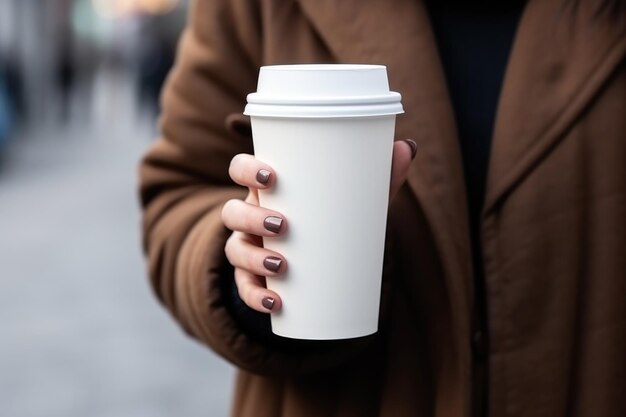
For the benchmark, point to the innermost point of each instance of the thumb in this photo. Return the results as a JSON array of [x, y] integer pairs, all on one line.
[[403, 153]]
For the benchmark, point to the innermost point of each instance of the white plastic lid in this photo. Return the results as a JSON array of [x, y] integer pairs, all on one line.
[[323, 90]]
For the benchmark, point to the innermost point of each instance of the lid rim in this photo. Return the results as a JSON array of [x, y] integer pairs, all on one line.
[[333, 111], [260, 98]]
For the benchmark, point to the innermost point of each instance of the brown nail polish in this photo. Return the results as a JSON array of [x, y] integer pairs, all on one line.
[[413, 146], [273, 223], [272, 263], [263, 176], [268, 302]]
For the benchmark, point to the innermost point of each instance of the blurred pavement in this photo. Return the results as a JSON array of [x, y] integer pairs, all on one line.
[[81, 334]]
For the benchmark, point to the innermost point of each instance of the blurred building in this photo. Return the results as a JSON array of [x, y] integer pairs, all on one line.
[[52, 53], [82, 333]]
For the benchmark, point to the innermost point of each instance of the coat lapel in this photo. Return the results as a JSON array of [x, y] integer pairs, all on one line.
[[559, 61], [398, 35]]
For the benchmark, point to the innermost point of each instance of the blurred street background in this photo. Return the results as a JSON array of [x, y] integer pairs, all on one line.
[[80, 332]]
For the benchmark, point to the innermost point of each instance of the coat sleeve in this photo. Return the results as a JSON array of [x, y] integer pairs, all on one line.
[[184, 183]]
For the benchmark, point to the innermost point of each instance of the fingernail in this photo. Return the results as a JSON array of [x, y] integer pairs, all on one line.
[[268, 302], [272, 263], [263, 176], [413, 146], [273, 223]]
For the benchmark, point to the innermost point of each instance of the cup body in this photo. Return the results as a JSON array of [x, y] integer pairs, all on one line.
[[327, 131], [333, 187]]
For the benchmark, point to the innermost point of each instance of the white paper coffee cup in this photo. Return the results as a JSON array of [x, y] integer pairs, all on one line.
[[327, 131]]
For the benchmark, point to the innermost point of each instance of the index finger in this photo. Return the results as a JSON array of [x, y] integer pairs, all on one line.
[[248, 171]]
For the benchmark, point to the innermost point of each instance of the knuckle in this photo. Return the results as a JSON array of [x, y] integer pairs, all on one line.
[[239, 282], [228, 206], [228, 249], [237, 159], [238, 166], [244, 293], [227, 211], [232, 166], [241, 292], [224, 213]]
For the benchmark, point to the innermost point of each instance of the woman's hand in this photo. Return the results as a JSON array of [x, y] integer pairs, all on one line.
[[249, 223]]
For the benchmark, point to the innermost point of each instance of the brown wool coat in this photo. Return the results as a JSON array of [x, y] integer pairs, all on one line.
[[553, 227]]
